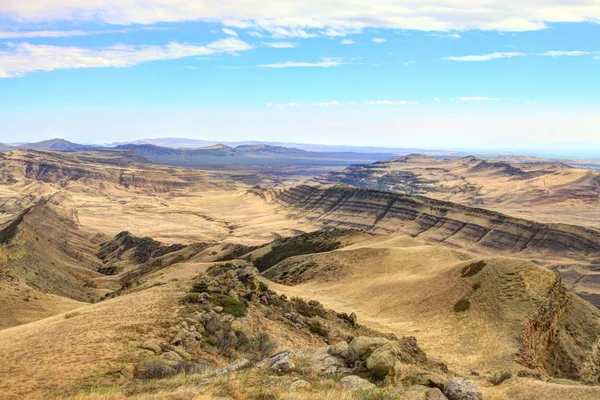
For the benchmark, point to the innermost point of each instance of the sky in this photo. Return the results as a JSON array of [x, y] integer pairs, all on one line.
[[451, 74]]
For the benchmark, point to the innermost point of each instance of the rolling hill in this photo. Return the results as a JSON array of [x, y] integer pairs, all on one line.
[[545, 191]]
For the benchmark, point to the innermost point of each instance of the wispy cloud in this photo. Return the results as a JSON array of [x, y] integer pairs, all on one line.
[[283, 106], [436, 99], [280, 45], [478, 98], [451, 35], [323, 63], [284, 33], [331, 103], [425, 15], [378, 40], [531, 103], [228, 31], [25, 58], [348, 41], [56, 34], [390, 103], [485, 57], [572, 53]]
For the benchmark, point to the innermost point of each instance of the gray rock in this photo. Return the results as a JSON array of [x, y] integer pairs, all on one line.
[[171, 356], [382, 362], [462, 389], [339, 349], [234, 366], [354, 383], [300, 385], [282, 363], [361, 347]]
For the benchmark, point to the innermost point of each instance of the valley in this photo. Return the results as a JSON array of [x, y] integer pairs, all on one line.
[[101, 248]]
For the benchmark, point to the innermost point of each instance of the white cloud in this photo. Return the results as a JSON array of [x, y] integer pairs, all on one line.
[[283, 33], [331, 103], [390, 103], [25, 58], [56, 34], [485, 57], [575, 53], [436, 99], [230, 32], [280, 45], [528, 102], [324, 63], [256, 34], [379, 40], [451, 35], [283, 106], [426, 15], [348, 41], [478, 98], [341, 32]]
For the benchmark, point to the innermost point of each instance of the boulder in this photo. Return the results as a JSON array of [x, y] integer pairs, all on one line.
[[339, 349], [361, 347], [355, 383], [300, 385], [234, 366], [383, 360], [281, 363], [218, 309], [152, 345], [462, 389]]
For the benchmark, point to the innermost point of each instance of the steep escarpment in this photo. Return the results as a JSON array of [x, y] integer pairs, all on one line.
[[437, 221]]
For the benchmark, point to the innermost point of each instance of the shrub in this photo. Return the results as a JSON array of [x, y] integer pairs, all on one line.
[[472, 269], [462, 305], [262, 346], [199, 287], [155, 371], [318, 328], [230, 305], [262, 286], [310, 309], [476, 285], [72, 314], [499, 377], [192, 298]]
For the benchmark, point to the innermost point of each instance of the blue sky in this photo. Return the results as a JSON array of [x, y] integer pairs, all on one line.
[[519, 76]]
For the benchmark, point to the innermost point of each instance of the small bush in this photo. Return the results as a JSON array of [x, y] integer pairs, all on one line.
[[155, 371], [472, 269], [191, 298], [476, 286], [462, 305], [262, 286], [310, 309], [499, 377], [199, 287], [72, 314], [262, 346], [230, 305], [318, 328]]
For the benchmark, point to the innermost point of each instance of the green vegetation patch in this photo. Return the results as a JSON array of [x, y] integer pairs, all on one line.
[[230, 305]]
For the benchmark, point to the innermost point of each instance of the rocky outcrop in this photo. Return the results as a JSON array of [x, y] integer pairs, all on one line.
[[462, 389], [435, 220]]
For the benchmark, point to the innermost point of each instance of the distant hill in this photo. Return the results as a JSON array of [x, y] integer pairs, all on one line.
[[250, 154], [6, 147], [56, 145]]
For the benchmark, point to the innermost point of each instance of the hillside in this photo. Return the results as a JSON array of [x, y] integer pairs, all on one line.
[[573, 250], [56, 145], [542, 190]]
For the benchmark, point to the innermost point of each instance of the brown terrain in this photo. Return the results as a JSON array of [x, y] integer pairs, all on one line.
[[540, 190], [121, 278]]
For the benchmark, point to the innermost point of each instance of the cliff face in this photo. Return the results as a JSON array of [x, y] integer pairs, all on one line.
[[438, 221]]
